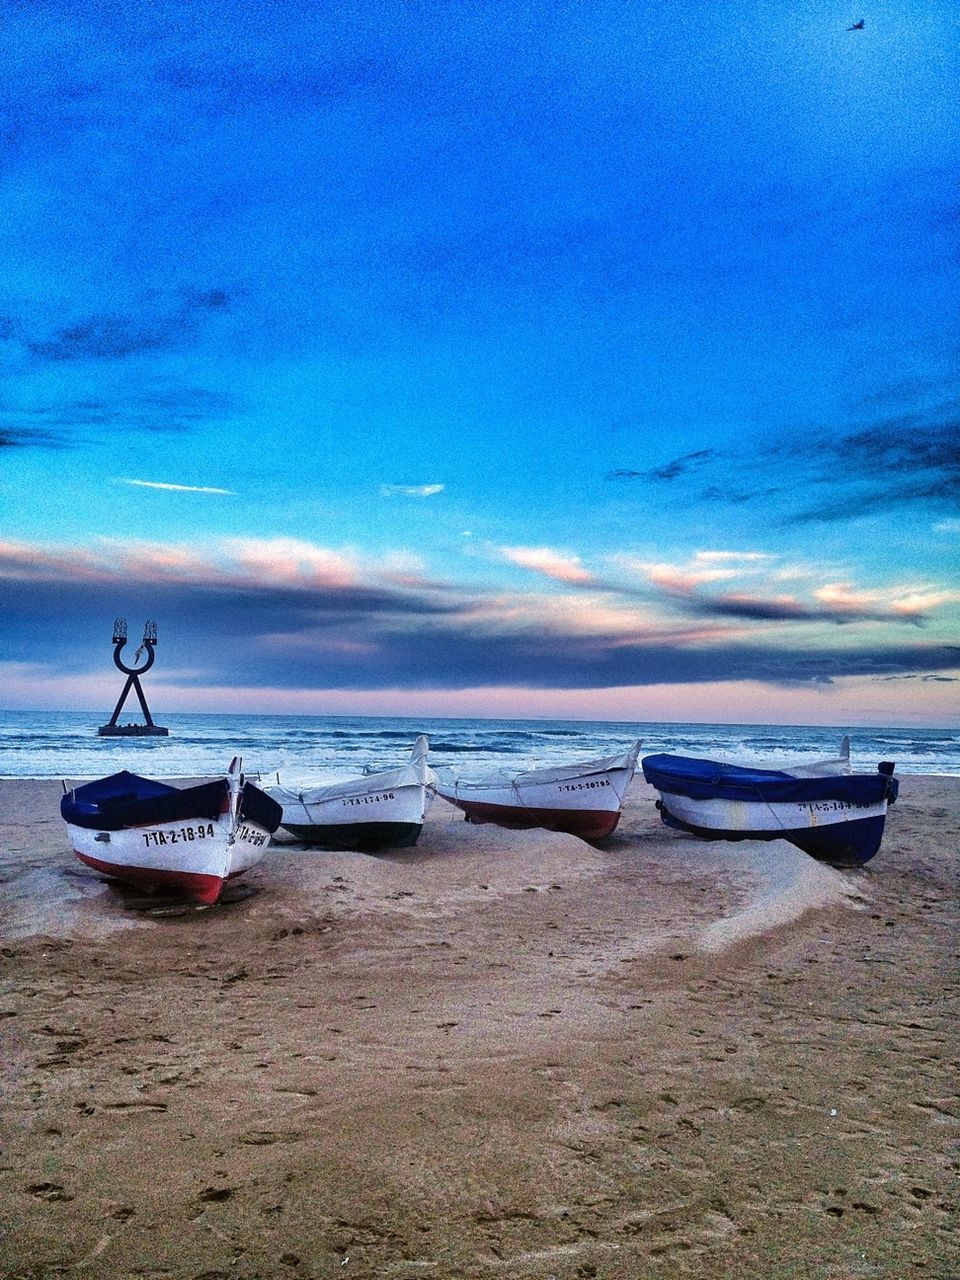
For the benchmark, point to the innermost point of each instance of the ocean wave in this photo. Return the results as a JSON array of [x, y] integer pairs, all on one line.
[[63, 744]]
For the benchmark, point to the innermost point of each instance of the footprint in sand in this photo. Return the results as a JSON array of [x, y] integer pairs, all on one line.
[[48, 1191], [215, 1195]]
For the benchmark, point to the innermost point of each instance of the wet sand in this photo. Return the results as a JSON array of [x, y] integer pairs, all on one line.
[[495, 1055]]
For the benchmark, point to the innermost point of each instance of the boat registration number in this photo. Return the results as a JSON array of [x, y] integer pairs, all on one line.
[[831, 806], [250, 835], [373, 799], [203, 831], [584, 786]]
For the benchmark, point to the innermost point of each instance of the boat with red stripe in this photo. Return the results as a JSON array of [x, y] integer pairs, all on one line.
[[584, 799], [185, 840]]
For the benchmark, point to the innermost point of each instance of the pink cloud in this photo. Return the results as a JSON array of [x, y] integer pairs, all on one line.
[[920, 602], [552, 564], [674, 578], [902, 602], [291, 559], [19, 560]]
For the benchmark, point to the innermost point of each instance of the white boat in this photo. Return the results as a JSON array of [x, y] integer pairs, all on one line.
[[189, 840], [376, 810], [583, 799], [824, 808]]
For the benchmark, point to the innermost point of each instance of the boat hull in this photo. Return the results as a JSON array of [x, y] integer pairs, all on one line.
[[192, 856], [389, 818], [588, 807], [588, 824], [831, 813], [835, 831], [363, 837]]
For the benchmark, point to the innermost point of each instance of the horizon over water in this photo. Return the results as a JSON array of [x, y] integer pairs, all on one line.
[[64, 744]]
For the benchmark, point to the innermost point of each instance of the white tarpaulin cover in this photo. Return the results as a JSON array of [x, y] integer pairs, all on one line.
[[415, 773], [559, 773]]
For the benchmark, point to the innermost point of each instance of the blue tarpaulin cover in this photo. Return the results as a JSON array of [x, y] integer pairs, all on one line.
[[714, 780], [127, 800]]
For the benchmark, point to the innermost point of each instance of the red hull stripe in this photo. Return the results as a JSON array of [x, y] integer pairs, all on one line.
[[588, 824], [200, 888]]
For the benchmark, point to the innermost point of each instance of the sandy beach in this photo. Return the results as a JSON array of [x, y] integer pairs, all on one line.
[[498, 1054]]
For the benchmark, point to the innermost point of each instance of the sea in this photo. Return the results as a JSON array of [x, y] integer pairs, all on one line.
[[64, 744]]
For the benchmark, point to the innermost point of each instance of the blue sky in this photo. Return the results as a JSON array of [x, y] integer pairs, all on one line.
[[466, 358]]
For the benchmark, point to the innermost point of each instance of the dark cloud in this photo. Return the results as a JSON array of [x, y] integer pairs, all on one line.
[[104, 337], [444, 656], [66, 423], [898, 462], [39, 427], [207, 299], [773, 610], [670, 470], [379, 637], [906, 391], [901, 460], [110, 336], [680, 466], [13, 437], [927, 679], [183, 406], [906, 443], [736, 496], [854, 503]]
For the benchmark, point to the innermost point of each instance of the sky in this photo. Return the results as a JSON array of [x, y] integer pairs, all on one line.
[[500, 358]]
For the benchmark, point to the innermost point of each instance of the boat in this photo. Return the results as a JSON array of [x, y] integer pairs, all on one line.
[[582, 799], [189, 840], [823, 808], [379, 809]]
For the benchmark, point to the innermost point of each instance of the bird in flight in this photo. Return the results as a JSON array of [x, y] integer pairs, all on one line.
[[857, 26]]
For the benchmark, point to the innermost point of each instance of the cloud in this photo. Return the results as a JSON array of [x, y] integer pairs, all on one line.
[[736, 496], [104, 337], [64, 423], [550, 563], [176, 488], [670, 470], [182, 405], [288, 613], [292, 560], [836, 602], [702, 567], [410, 490], [926, 679], [910, 459], [910, 603], [907, 391], [115, 336], [14, 437], [906, 443], [737, 557], [786, 609]]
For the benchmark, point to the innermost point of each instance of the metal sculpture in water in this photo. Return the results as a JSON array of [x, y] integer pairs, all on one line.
[[148, 729]]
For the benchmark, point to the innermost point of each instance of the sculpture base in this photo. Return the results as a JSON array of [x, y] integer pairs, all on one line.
[[132, 731]]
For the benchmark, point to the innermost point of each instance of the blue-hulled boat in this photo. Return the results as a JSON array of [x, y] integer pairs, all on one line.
[[825, 809]]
